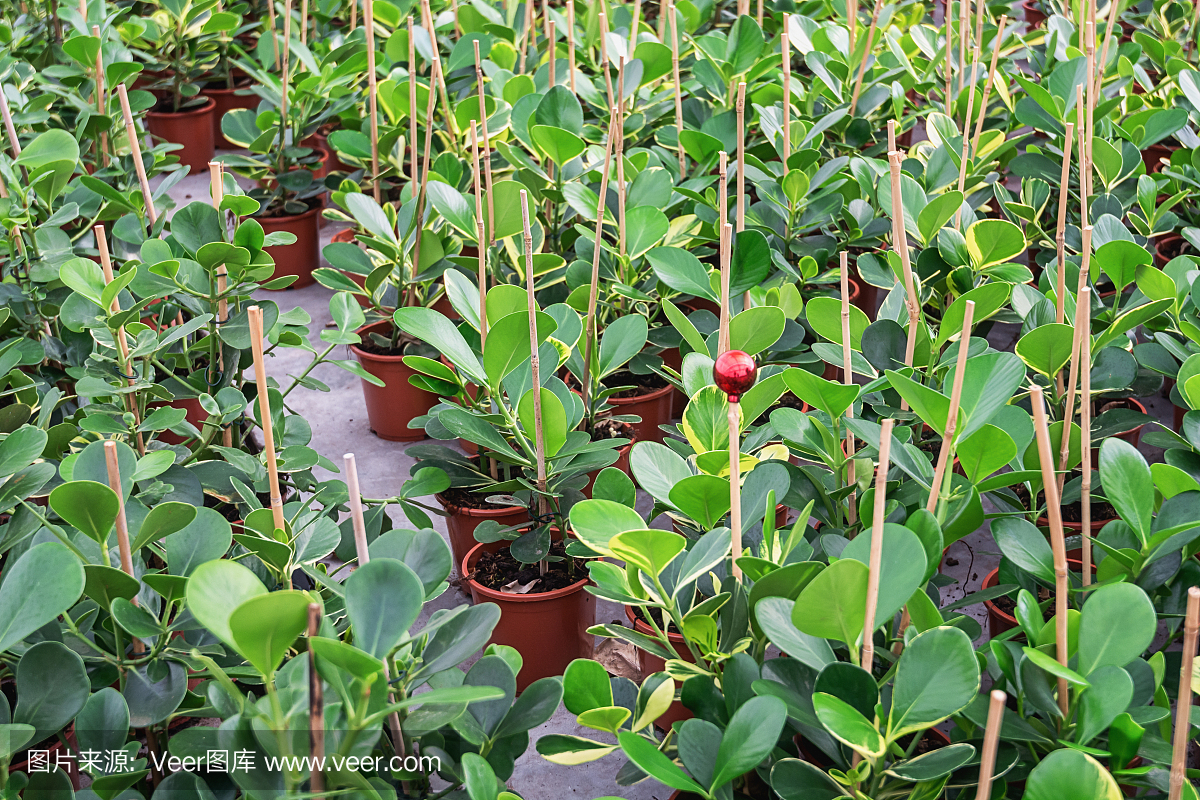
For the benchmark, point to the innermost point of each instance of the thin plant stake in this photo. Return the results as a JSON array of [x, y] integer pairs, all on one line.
[[255, 316], [316, 706], [620, 153], [550, 48], [1078, 365], [538, 440], [114, 482], [741, 157], [594, 290], [948, 21], [679, 89], [414, 167], [900, 243], [891, 135], [733, 416], [848, 378], [1114, 11], [991, 739], [633, 29], [439, 73], [1085, 168], [960, 368], [1090, 37], [964, 32], [359, 524], [526, 34], [487, 154], [862, 67], [419, 222], [373, 91], [1061, 228], [479, 235], [570, 44], [726, 258], [1085, 425], [875, 564], [604, 57], [216, 178], [122, 341], [135, 147], [852, 22], [987, 86], [722, 190], [785, 53], [1057, 542], [286, 73], [966, 152], [101, 102], [274, 30], [1183, 704], [353, 15], [304, 22]]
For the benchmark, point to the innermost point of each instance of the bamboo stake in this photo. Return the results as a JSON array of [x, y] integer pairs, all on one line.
[[457, 25], [735, 484], [604, 57], [440, 73], [11, 129], [1114, 11], [862, 67], [304, 22], [1085, 168], [255, 315], [1183, 704], [487, 154], [274, 30], [594, 290], [373, 92], [663, 6], [353, 15], [948, 21], [122, 341], [285, 75], [633, 29], [539, 443], [876, 557], [570, 43], [987, 86], [848, 378], [316, 706], [991, 738], [1091, 84], [759, 13], [363, 553], [136, 151], [741, 157], [1057, 543], [479, 237], [785, 53], [964, 31], [419, 221], [620, 151], [122, 525], [83, 12], [1085, 425], [891, 135], [101, 97], [960, 368], [852, 22], [678, 88], [726, 258], [971, 80], [522, 43], [550, 48], [1060, 231], [1077, 364], [217, 186], [722, 191], [900, 243]]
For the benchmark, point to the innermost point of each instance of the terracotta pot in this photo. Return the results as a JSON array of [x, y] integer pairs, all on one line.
[[301, 257], [346, 236], [462, 522], [390, 407], [1133, 437], [654, 409], [1034, 18], [195, 415], [1166, 248], [549, 630], [649, 664], [227, 100], [622, 463], [1154, 155], [321, 141], [1000, 621], [57, 751], [192, 128]]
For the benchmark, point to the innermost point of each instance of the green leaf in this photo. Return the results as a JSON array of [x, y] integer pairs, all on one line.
[[559, 146], [1116, 626], [554, 419], [586, 686], [383, 598], [163, 520], [431, 327], [38, 587], [216, 589], [1047, 348], [984, 452], [88, 506], [993, 241], [508, 344], [265, 626], [833, 605], [930, 405], [824, 314], [648, 550], [1023, 544], [749, 738], [832, 398], [596, 521], [848, 726], [681, 271], [1109, 694], [654, 763], [756, 329], [1128, 484], [937, 677], [937, 213], [1071, 775]]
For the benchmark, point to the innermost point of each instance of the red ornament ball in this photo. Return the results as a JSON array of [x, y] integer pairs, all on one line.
[[734, 373]]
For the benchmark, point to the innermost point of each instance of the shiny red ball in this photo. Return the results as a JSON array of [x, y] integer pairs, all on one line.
[[734, 373]]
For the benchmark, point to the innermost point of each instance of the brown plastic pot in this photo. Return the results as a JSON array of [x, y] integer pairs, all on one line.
[[622, 463], [549, 630], [649, 664], [462, 522], [227, 100], [1154, 155], [391, 406], [654, 408], [1000, 621], [1166, 248], [57, 751], [301, 257], [195, 415], [192, 128], [1034, 17]]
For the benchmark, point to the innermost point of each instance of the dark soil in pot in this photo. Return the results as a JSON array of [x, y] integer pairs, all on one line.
[[499, 571], [466, 510]]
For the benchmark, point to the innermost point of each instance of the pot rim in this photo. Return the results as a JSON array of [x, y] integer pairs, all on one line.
[[486, 513], [491, 594], [361, 354], [209, 105], [642, 627], [641, 398], [287, 217]]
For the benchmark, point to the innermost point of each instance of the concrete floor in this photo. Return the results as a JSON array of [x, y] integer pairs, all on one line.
[[339, 423]]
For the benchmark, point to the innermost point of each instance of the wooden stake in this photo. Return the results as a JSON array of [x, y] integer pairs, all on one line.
[[900, 243], [722, 190], [735, 485], [948, 21], [862, 67], [101, 101], [526, 31], [571, 43], [304, 22], [217, 187], [1085, 424], [255, 316], [353, 15], [550, 48], [1076, 363], [964, 31], [457, 25], [848, 379], [316, 706], [786, 57], [1057, 542], [594, 290], [479, 237], [891, 135], [987, 86], [663, 7], [135, 147], [971, 80], [679, 89], [439, 73], [274, 30], [1091, 86], [633, 29], [285, 75], [852, 22], [620, 151], [1183, 703], [726, 258], [1114, 11], [604, 58], [960, 368], [876, 558], [419, 222], [741, 157], [1060, 230], [1085, 168], [122, 341], [991, 738], [373, 93], [538, 441], [11, 129], [114, 483], [487, 153]]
